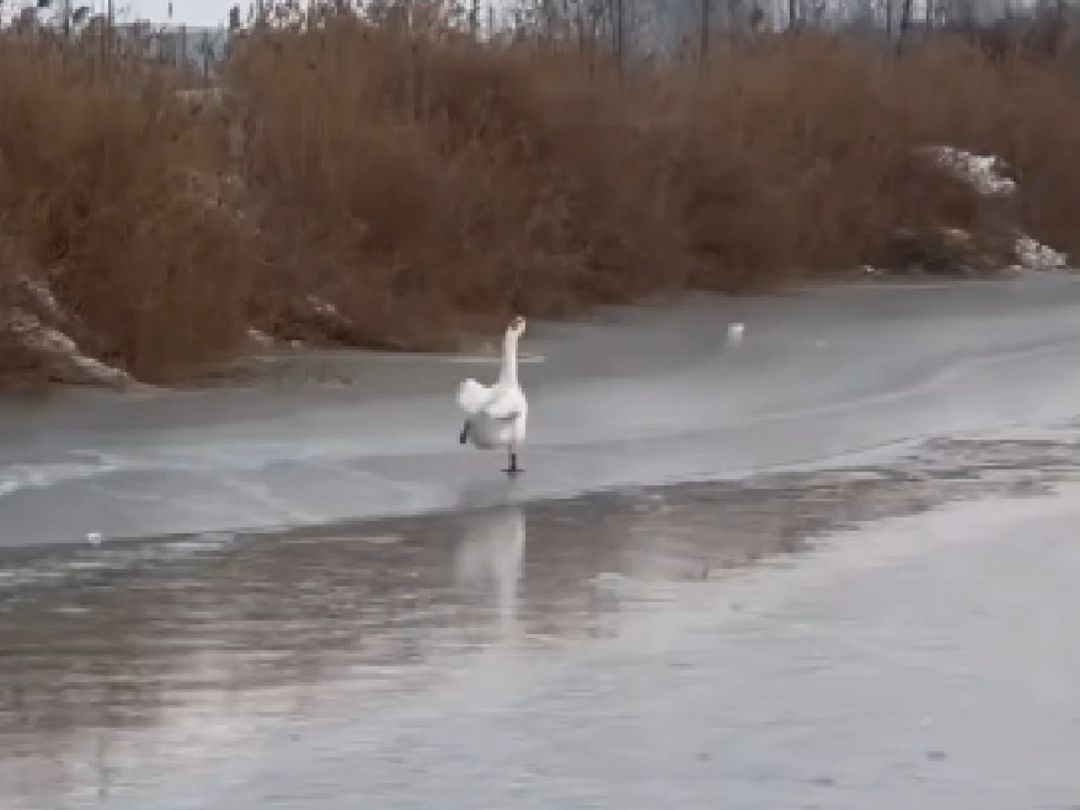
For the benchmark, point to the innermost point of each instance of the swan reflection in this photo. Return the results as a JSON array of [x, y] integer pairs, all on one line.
[[489, 559]]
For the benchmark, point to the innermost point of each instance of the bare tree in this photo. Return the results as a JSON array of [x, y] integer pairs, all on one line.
[[905, 24], [618, 31], [961, 13], [706, 24]]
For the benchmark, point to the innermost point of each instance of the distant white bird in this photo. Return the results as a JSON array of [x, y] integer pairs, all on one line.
[[94, 538], [735, 333], [495, 417]]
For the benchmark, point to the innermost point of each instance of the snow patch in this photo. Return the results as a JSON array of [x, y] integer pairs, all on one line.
[[260, 338], [42, 296], [199, 95], [321, 306], [327, 311], [63, 351], [1034, 255], [40, 331], [984, 172], [956, 235]]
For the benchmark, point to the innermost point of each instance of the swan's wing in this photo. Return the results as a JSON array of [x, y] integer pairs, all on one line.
[[472, 396], [504, 405]]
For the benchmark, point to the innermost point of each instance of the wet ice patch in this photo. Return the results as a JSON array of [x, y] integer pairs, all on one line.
[[609, 579], [378, 539], [78, 564], [214, 539], [365, 539], [35, 476], [71, 610]]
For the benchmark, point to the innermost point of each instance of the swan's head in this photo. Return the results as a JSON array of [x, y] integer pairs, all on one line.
[[517, 326]]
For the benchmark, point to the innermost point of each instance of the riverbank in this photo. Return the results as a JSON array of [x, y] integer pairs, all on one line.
[[361, 186]]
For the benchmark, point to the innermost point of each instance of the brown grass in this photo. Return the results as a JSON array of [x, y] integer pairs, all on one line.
[[106, 189], [426, 184]]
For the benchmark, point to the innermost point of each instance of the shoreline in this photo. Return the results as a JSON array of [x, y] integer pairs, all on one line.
[[282, 363], [796, 390]]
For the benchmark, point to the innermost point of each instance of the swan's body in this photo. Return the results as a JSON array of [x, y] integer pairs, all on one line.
[[495, 416]]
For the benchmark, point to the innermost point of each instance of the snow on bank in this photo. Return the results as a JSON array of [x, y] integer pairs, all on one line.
[[984, 172], [40, 333], [260, 338], [321, 306], [327, 312], [1034, 255], [1030, 253], [63, 352], [42, 297]]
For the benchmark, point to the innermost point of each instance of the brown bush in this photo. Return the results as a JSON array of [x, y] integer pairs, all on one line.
[[1025, 110], [110, 188], [431, 178], [424, 183], [419, 181]]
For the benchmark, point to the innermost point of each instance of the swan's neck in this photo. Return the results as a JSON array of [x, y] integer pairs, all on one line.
[[508, 375]]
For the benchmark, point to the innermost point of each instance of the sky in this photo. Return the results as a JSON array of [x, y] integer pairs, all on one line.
[[199, 13], [215, 12], [188, 12]]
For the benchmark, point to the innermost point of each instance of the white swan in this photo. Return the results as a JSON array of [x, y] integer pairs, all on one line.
[[496, 416]]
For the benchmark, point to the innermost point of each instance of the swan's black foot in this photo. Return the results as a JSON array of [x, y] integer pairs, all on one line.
[[513, 469], [464, 437]]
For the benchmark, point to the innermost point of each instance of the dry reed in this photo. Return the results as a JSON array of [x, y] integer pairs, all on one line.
[[425, 184]]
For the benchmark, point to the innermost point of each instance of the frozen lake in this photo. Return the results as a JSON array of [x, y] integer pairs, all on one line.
[[833, 566], [637, 397]]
